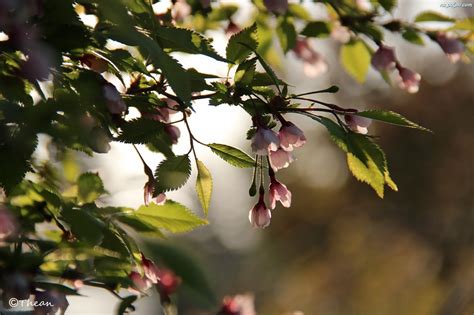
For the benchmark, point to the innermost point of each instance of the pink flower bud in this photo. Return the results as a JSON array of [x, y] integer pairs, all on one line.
[[169, 281], [241, 304], [340, 33], [279, 192], [358, 124], [232, 28], [94, 63], [113, 100], [291, 136], [264, 140], [148, 192], [260, 215], [280, 159], [181, 10], [173, 132], [384, 58], [409, 80], [452, 47], [160, 199], [314, 63], [276, 6], [8, 224], [140, 283], [151, 270]]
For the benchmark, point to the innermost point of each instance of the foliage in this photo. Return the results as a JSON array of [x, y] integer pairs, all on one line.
[[56, 74]]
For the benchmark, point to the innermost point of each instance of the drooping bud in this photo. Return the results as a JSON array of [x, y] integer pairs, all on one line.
[[264, 140], [241, 304], [280, 159], [409, 80], [279, 192], [260, 215], [384, 58], [276, 6], [291, 136], [357, 124], [113, 100], [452, 47]]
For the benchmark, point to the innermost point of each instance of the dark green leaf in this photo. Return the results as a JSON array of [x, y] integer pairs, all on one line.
[[126, 304], [432, 16], [90, 187], [172, 173], [245, 72], [286, 33], [388, 5], [316, 29], [84, 226], [412, 36], [237, 52], [391, 118]]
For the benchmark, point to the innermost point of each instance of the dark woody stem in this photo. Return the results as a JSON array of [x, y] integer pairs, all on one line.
[[146, 168]]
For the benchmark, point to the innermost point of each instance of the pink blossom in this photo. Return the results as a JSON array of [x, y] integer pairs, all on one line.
[[232, 28], [168, 282], [173, 132], [364, 5], [113, 100], [276, 6], [279, 192], [150, 269], [264, 140], [181, 9], [452, 47], [291, 136], [260, 215], [241, 304], [160, 199], [280, 159], [148, 194], [384, 58], [358, 124], [340, 33], [8, 223], [409, 80], [314, 63], [140, 283]]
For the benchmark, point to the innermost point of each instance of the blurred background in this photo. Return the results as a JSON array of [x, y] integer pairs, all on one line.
[[339, 249]]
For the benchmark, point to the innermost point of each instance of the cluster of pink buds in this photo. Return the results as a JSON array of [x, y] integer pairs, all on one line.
[[163, 114], [451, 46], [165, 279], [313, 63], [278, 147], [384, 59]]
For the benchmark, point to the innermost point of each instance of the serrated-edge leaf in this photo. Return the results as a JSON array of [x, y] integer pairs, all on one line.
[[172, 173], [204, 186], [391, 118], [171, 216], [231, 155], [140, 131], [355, 58], [245, 72], [235, 51]]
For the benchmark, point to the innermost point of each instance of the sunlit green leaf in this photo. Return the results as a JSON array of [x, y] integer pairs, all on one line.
[[172, 173], [355, 57], [237, 52], [432, 16], [232, 155], [204, 186], [90, 187], [391, 118]]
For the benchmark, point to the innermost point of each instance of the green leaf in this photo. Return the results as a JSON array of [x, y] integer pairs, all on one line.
[[245, 72], [299, 11], [171, 216], [195, 285], [172, 173], [355, 57], [235, 51], [388, 5], [365, 159], [432, 16], [90, 187], [232, 155], [56, 286], [286, 33], [204, 186], [140, 226], [412, 36], [140, 131], [186, 40], [316, 29], [391, 118], [465, 24], [84, 226]]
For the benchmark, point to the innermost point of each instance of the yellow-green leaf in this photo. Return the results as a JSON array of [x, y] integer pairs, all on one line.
[[204, 186], [355, 58]]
